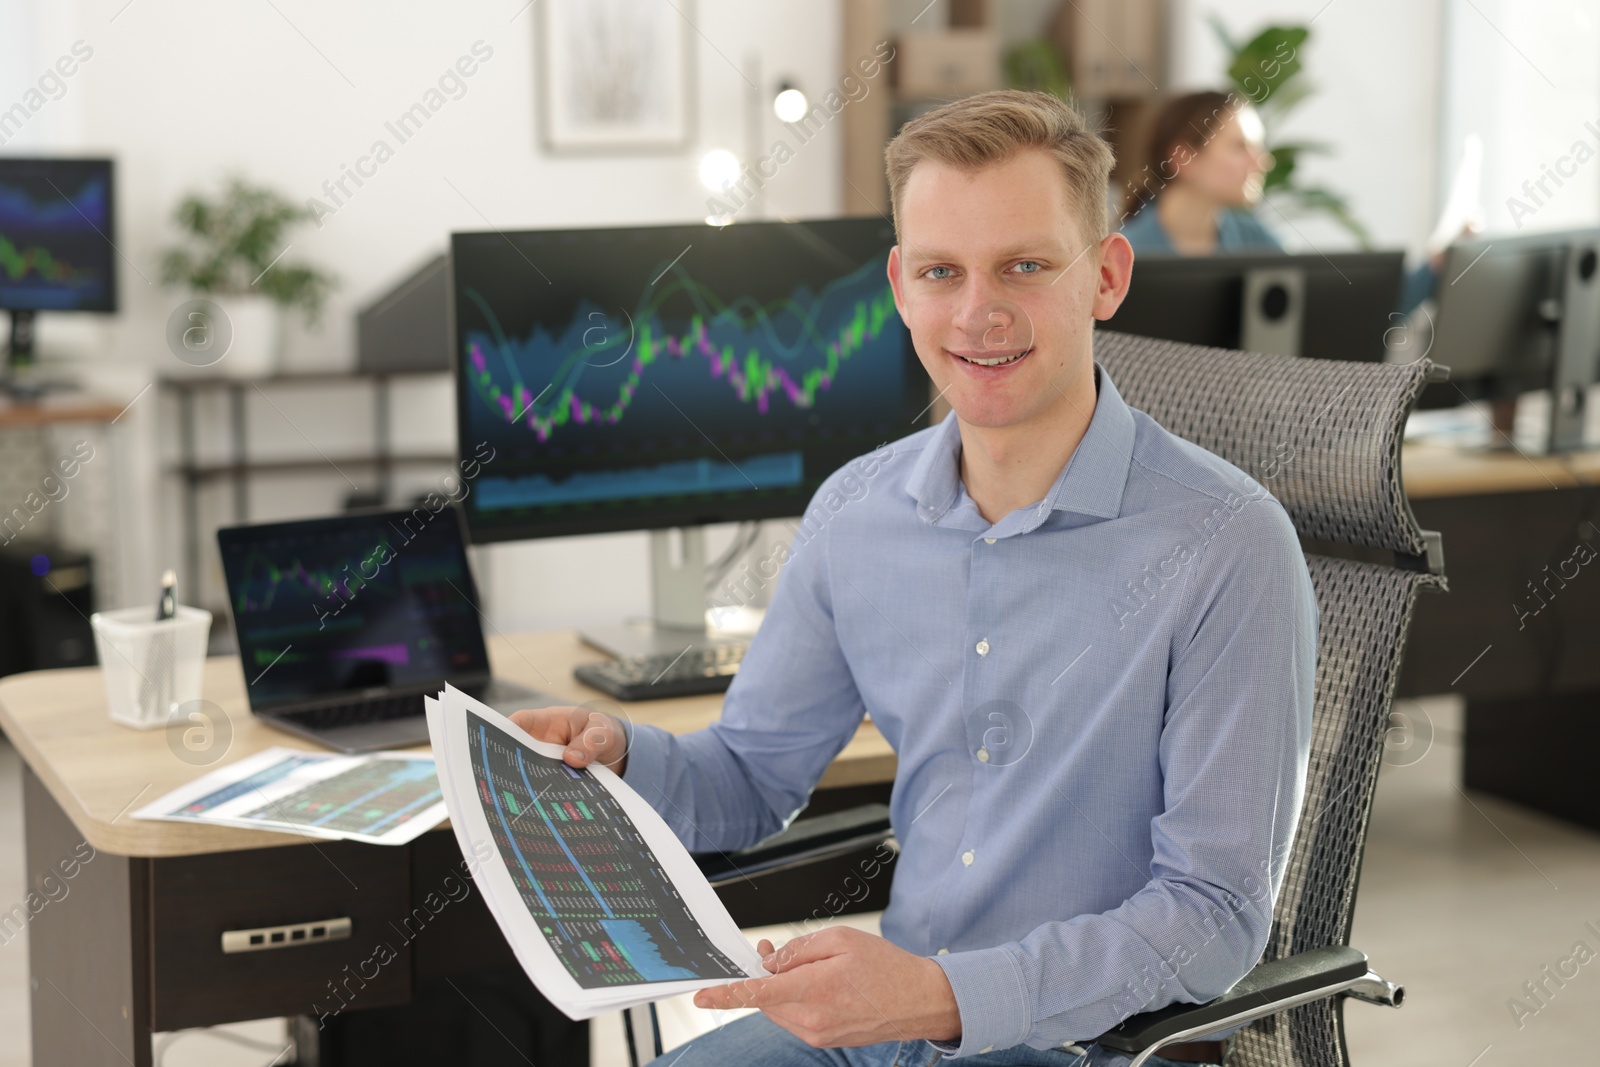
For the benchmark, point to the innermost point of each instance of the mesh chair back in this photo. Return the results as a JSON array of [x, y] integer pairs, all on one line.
[[1324, 438]]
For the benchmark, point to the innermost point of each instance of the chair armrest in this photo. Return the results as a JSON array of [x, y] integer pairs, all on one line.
[[1269, 988], [802, 841]]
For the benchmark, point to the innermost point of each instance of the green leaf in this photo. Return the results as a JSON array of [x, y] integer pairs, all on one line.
[[1264, 64]]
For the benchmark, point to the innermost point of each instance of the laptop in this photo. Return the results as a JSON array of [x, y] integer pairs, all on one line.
[[344, 624]]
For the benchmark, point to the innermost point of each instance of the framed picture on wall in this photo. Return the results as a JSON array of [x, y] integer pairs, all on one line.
[[614, 75]]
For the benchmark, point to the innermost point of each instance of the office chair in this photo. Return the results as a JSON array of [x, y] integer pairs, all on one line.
[[1324, 437]]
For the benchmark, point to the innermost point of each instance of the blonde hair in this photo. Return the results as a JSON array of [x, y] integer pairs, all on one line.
[[991, 127]]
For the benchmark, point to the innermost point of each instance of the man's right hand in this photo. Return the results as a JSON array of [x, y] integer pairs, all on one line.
[[588, 736]]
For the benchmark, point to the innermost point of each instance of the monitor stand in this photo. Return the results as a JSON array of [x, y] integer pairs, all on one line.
[[19, 357], [678, 601], [22, 378]]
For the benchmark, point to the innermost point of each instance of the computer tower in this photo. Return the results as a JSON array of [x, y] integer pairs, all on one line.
[[44, 618]]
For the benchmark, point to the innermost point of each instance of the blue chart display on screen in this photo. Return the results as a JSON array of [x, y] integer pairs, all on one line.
[[668, 375], [55, 235], [583, 871]]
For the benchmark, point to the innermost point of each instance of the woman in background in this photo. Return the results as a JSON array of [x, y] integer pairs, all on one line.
[[1197, 196], [1205, 172]]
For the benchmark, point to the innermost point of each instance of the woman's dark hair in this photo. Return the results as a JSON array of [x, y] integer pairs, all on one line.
[[1182, 127]]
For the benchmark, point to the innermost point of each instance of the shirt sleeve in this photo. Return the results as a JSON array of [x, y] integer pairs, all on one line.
[[1233, 752], [791, 709]]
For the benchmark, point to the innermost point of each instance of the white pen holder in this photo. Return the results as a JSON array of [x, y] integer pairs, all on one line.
[[150, 667]]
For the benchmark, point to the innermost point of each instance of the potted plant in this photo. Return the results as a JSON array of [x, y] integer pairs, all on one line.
[[232, 253]]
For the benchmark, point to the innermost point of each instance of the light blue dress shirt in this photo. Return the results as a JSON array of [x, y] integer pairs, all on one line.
[[1101, 708]]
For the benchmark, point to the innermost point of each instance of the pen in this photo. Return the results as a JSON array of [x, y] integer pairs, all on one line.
[[168, 605]]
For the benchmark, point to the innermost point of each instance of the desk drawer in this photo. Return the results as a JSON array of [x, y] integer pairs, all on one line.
[[194, 900]]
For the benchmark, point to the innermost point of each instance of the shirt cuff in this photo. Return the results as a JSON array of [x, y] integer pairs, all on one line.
[[648, 750], [992, 997]]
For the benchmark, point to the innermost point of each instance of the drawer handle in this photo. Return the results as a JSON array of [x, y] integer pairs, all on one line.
[[265, 937]]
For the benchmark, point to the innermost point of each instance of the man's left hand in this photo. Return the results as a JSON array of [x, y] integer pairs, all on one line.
[[842, 987]]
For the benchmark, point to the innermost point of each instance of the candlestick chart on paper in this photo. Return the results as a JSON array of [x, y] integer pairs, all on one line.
[[623, 399], [600, 897], [369, 798]]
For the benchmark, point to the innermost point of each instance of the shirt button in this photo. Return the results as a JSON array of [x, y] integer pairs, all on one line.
[[988, 540], [983, 647], [943, 952], [983, 755], [967, 857]]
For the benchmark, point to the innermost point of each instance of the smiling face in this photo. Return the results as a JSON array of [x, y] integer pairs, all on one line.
[[1000, 290]]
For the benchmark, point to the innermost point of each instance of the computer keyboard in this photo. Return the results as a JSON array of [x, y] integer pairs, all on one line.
[[700, 669]]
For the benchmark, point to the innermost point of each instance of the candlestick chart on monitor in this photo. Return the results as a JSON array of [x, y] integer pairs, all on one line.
[[695, 373]]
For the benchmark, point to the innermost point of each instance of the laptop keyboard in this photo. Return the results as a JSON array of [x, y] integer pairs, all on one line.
[[359, 712]]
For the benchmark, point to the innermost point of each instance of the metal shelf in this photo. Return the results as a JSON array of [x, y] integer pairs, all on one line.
[[240, 467]]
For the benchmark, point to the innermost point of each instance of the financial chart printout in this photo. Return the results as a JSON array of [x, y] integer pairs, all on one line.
[[584, 872]]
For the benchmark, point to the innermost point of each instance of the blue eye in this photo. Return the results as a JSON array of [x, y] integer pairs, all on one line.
[[937, 277], [1037, 267]]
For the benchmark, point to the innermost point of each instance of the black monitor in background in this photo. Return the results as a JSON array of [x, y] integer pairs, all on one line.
[[407, 329], [663, 377], [1336, 306], [1519, 314], [57, 225]]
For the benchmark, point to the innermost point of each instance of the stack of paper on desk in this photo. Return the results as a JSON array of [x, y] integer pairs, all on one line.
[[595, 894], [384, 798]]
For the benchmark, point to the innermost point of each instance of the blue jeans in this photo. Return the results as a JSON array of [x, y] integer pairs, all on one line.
[[756, 1041]]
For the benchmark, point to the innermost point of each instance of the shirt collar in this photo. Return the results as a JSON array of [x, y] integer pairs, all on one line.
[[1091, 483]]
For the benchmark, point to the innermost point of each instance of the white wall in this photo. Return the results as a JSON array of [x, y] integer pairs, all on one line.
[[1525, 77], [184, 92]]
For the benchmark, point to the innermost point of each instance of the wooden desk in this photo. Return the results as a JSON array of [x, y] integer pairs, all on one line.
[[1518, 632], [58, 407], [1433, 471], [132, 945], [96, 769]]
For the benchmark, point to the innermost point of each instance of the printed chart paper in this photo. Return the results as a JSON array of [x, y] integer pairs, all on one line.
[[594, 892], [385, 798]]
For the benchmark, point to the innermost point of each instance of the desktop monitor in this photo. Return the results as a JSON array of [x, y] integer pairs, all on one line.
[[660, 377], [57, 225], [1518, 314], [1337, 306]]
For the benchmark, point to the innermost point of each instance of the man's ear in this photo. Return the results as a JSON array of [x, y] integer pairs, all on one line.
[[1116, 272], [894, 282]]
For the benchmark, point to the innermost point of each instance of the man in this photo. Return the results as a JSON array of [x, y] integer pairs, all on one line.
[[1090, 643]]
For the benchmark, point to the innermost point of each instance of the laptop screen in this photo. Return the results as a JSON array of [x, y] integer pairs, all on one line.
[[324, 607]]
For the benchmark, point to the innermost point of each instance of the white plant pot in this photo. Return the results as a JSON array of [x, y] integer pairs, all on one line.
[[256, 349]]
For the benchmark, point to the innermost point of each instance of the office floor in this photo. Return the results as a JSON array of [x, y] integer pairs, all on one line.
[[1463, 899]]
